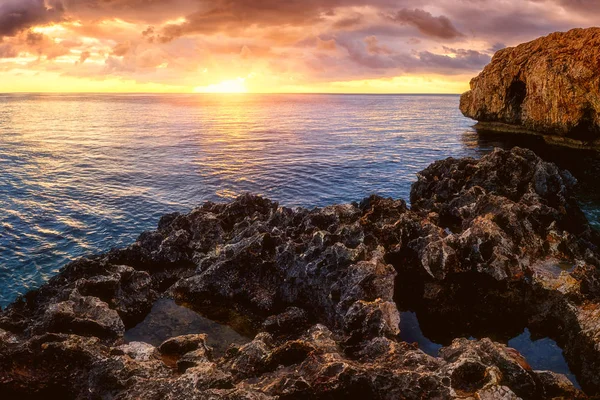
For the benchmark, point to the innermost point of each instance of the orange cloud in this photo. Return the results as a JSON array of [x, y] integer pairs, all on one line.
[[273, 45]]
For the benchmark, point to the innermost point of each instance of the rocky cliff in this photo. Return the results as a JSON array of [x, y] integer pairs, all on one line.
[[489, 247], [550, 86]]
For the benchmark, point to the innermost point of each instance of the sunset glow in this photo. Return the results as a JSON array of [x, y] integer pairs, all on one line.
[[265, 46], [233, 86]]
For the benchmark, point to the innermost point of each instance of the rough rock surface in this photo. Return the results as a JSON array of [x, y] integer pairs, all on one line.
[[550, 85], [479, 254]]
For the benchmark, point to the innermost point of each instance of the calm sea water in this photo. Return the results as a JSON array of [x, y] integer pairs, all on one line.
[[80, 174]]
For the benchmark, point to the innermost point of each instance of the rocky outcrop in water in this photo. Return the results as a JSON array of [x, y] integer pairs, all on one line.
[[550, 85], [489, 247]]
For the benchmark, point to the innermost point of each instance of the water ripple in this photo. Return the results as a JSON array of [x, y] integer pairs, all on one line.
[[83, 173]]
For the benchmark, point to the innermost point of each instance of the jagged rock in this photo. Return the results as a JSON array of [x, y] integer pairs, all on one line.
[[318, 293], [193, 359], [138, 351], [292, 320], [558, 386], [86, 316], [550, 85]]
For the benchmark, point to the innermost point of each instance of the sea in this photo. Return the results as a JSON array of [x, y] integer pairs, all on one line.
[[81, 174]]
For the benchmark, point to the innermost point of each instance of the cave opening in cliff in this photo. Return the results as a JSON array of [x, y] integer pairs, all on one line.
[[516, 93], [587, 130]]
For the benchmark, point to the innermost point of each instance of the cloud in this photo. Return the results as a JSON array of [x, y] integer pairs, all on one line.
[[43, 45], [18, 15], [463, 60], [293, 41], [349, 22], [84, 56], [246, 53], [35, 38], [121, 49], [327, 45], [439, 27], [236, 15], [358, 53], [150, 58], [583, 6], [146, 11], [373, 46], [496, 47], [8, 51]]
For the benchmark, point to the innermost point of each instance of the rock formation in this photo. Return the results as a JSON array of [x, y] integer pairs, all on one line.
[[479, 253], [550, 86]]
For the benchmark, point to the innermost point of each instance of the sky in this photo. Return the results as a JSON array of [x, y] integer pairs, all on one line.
[[327, 46]]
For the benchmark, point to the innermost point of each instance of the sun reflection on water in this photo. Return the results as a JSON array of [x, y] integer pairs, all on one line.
[[84, 173]]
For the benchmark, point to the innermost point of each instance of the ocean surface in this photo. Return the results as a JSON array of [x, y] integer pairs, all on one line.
[[81, 174]]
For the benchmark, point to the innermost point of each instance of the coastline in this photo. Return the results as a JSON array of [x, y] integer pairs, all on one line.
[[323, 290], [557, 140]]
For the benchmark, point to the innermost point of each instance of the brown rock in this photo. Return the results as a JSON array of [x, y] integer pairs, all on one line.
[[550, 86]]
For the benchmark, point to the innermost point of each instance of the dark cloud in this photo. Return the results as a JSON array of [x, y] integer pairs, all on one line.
[[512, 24], [235, 15], [148, 11], [349, 22], [464, 60], [34, 38], [358, 53], [496, 47], [19, 15], [582, 6], [439, 27]]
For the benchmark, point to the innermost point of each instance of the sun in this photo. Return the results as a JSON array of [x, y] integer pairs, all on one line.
[[232, 86]]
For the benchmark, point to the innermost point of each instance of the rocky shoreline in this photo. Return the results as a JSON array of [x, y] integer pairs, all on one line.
[[483, 127], [549, 86], [488, 246]]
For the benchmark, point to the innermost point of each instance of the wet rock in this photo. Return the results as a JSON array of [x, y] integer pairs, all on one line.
[[548, 86], [489, 247], [181, 345]]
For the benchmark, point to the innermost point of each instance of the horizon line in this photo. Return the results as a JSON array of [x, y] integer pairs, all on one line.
[[242, 93]]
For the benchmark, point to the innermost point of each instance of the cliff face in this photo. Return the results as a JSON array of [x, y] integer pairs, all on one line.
[[550, 85], [479, 253]]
